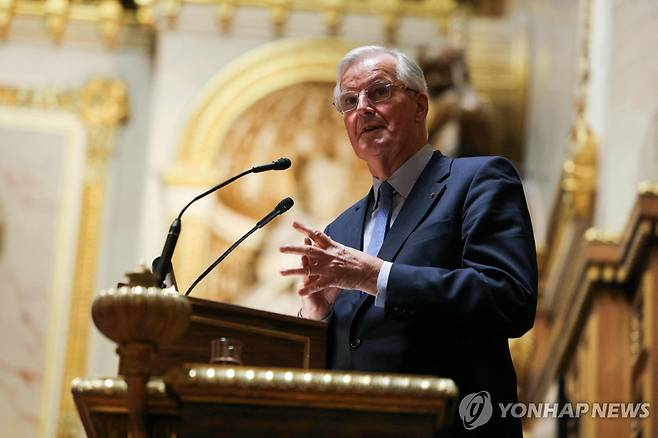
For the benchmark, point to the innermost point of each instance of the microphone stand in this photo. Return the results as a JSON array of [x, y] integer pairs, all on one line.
[[162, 265], [219, 260], [281, 208]]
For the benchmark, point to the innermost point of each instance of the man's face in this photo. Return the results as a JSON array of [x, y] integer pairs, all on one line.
[[383, 130]]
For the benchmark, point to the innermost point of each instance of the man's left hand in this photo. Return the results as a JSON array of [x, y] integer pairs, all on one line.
[[331, 264]]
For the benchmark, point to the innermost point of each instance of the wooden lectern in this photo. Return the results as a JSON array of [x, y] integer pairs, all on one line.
[[167, 388], [269, 339]]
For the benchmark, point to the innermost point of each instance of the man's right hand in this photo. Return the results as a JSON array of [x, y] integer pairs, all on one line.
[[316, 306]]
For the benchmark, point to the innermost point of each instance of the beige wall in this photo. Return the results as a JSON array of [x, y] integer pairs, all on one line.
[[42, 162], [622, 99], [553, 27], [30, 61], [629, 149]]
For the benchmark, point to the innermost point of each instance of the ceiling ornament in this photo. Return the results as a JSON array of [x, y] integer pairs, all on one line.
[[112, 16]]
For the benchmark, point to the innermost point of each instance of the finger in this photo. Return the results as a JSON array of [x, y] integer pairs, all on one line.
[[305, 250], [316, 236], [307, 264], [314, 287], [309, 279], [305, 259], [310, 289], [293, 271]]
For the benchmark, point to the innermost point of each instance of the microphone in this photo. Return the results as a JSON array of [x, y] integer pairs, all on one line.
[[280, 164], [162, 264], [280, 208]]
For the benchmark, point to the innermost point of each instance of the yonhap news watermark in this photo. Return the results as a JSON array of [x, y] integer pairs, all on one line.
[[477, 408]]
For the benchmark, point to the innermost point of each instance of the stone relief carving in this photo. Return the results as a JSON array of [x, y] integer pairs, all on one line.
[[298, 122]]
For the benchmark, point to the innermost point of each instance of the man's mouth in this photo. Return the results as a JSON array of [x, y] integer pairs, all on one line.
[[371, 128]]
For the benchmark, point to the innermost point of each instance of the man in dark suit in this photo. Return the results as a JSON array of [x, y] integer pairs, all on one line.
[[435, 268]]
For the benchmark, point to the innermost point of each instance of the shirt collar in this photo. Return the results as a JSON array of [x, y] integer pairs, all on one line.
[[406, 176]]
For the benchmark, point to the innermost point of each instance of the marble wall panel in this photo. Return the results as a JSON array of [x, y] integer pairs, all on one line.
[[40, 173]]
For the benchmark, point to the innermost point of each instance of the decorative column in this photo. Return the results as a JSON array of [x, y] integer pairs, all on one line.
[[139, 318]]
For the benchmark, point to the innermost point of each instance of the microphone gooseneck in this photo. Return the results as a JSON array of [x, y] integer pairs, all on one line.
[[281, 208], [163, 264]]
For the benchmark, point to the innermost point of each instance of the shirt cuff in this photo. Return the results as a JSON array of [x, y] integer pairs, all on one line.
[[382, 283]]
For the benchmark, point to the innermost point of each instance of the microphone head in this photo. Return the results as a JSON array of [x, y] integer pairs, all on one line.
[[284, 205], [282, 164]]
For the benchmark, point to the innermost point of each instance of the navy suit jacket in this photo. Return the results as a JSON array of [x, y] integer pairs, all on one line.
[[463, 281]]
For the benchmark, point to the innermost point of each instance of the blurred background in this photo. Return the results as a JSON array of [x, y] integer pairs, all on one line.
[[114, 114]]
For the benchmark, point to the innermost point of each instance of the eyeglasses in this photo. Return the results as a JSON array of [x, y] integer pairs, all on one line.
[[377, 92]]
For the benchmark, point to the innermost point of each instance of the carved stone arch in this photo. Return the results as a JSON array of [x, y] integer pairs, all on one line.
[[273, 101], [239, 85]]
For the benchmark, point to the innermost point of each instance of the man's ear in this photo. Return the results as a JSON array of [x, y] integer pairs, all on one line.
[[422, 106]]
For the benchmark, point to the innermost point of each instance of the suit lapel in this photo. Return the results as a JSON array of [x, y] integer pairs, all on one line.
[[423, 196], [352, 236]]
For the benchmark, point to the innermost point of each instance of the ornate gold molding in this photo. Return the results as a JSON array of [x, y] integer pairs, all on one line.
[[111, 16], [254, 75], [204, 384], [611, 263], [580, 171], [576, 196], [596, 235], [326, 382], [101, 106], [390, 11], [140, 319], [275, 378], [114, 386], [648, 188]]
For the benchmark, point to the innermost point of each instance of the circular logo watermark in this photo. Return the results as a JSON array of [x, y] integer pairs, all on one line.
[[475, 409]]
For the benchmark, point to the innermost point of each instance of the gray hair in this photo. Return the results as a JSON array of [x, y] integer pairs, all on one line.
[[407, 70]]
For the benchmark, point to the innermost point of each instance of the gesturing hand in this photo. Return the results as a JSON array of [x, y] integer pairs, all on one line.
[[327, 264], [318, 305]]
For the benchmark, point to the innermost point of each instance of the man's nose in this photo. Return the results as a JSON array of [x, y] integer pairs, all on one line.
[[363, 103]]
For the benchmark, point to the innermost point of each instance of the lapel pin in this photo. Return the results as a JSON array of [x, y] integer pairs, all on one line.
[[433, 195]]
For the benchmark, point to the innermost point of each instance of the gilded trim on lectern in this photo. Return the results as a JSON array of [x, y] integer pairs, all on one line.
[[312, 381], [114, 386]]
